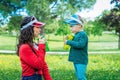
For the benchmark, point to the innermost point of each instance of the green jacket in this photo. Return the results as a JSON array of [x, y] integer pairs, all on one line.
[[79, 48]]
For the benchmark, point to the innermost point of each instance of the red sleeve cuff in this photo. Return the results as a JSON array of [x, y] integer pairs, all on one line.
[[41, 46]]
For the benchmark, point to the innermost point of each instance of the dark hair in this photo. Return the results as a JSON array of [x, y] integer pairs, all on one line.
[[26, 35]]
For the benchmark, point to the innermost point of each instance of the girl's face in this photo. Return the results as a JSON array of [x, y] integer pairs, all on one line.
[[36, 31]]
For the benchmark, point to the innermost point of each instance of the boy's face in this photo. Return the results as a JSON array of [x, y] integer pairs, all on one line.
[[76, 28]]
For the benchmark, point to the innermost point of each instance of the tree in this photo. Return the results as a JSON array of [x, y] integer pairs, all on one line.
[[49, 10], [10, 8], [112, 20], [14, 24], [45, 10], [63, 29]]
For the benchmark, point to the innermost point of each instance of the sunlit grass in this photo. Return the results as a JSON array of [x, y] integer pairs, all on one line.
[[100, 67]]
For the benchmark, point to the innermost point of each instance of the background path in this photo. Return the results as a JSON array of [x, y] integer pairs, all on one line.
[[90, 52]]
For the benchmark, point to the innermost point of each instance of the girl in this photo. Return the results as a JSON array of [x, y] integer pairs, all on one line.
[[32, 55]]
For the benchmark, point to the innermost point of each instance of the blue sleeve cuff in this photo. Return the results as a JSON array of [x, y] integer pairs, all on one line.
[[68, 42]]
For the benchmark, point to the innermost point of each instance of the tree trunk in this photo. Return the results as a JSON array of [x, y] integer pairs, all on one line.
[[48, 38], [63, 37], [119, 42]]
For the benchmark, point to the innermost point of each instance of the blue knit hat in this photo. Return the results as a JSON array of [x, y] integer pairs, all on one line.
[[74, 20]]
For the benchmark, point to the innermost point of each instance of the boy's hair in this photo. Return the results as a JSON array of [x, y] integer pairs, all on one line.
[[80, 18]]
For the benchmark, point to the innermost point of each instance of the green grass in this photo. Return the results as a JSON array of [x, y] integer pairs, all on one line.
[[99, 43], [104, 38], [106, 42], [7, 43], [100, 67]]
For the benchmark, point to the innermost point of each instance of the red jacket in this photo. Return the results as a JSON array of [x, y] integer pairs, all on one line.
[[32, 63]]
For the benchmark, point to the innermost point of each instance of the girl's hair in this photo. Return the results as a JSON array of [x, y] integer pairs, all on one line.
[[26, 35]]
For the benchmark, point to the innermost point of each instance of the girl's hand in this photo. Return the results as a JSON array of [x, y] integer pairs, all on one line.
[[42, 41]]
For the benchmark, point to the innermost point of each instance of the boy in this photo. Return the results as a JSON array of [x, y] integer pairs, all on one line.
[[79, 46]]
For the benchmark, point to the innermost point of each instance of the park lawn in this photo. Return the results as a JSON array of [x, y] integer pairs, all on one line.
[[99, 43], [106, 42], [100, 67], [8, 42]]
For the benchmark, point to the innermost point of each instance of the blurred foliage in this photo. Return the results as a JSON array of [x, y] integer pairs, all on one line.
[[111, 19], [14, 23], [51, 10], [9, 6], [63, 29], [45, 10]]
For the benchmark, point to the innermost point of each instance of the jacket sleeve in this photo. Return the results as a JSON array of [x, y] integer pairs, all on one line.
[[29, 57], [45, 72], [41, 48], [80, 43]]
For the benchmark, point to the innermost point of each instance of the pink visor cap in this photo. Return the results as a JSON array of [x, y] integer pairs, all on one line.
[[33, 22]]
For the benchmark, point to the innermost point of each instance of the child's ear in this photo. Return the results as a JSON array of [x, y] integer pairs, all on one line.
[[80, 25]]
